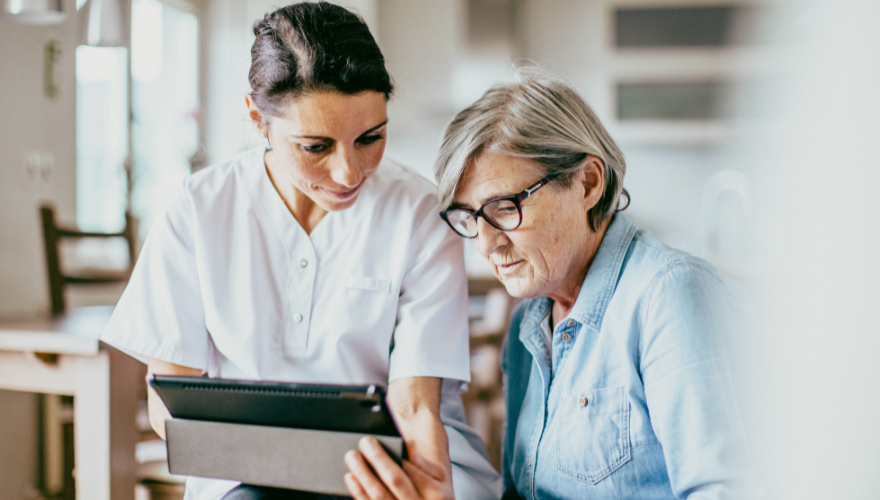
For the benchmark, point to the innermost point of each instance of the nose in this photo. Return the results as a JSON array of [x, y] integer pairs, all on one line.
[[489, 238], [346, 170]]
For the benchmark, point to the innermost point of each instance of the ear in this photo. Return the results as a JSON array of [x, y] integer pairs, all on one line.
[[255, 114], [592, 177]]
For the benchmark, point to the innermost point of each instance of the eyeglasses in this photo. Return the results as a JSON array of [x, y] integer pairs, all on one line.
[[504, 213]]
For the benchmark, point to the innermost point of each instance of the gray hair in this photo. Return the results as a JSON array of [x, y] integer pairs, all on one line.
[[539, 117]]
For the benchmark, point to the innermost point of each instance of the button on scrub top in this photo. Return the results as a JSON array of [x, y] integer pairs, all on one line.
[[230, 283]]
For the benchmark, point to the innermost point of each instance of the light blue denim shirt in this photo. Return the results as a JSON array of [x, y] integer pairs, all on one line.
[[634, 399]]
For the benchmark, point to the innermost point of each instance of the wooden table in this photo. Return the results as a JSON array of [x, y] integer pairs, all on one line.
[[65, 356]]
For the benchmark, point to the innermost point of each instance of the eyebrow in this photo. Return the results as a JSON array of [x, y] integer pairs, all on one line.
[[320, 138], [456, 204]]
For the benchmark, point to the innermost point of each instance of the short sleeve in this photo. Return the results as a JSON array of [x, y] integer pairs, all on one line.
[[160, 314], [686, 369], [431, 333]]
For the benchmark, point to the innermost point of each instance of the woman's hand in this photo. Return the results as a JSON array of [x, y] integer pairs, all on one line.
[[418, 479]]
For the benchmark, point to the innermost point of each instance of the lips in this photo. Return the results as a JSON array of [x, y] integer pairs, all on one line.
[[343, 195], [508, 267]]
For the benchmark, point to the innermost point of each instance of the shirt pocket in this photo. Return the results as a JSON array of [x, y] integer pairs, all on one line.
[[368, 301], [592, 438]]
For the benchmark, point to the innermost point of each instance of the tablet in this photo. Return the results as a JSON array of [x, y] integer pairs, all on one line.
[[344, 408]]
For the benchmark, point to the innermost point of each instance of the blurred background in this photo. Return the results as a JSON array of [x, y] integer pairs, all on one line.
[[746, 125]]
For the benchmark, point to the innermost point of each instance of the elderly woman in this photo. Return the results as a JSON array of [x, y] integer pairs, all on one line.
[[618, 382]]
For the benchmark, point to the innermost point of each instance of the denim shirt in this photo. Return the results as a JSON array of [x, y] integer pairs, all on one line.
[[634, 398]]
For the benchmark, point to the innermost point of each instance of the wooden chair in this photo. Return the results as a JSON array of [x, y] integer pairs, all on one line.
[[52, 420], [53, 234]]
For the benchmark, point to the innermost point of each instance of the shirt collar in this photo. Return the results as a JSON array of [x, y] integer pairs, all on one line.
[[599, 283]]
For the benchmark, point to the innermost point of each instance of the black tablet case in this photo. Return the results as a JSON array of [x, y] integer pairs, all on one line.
[[340, 408]]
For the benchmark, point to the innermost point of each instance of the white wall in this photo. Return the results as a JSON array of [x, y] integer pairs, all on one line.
[[819, 220], [30, 122], [422, 41], [225, 38]]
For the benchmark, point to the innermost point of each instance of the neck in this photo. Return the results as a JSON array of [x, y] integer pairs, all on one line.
[[565, 295], [306, 212]]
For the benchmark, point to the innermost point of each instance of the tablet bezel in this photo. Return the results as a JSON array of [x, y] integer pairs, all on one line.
[[344, 408]]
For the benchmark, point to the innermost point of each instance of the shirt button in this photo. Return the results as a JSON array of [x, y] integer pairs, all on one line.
[[303, 263], [570, 323], [582, 401], [566, 337], [298, 317]]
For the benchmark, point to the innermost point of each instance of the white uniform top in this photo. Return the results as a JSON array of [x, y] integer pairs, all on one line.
[[230, 283]]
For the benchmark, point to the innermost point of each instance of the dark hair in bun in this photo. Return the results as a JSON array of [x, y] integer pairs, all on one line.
[[311, 47]]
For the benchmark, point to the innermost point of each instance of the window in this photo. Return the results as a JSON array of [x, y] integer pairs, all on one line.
[[164, 114], [671, 101], [164, 102], [101, 137], [696, 26]]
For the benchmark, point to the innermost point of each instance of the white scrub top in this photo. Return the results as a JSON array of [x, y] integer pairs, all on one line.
[[230, 283]]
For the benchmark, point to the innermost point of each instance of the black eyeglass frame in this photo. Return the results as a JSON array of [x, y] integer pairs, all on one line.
[[515, 198]]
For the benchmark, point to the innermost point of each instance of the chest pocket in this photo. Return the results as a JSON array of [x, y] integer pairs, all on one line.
[[368, 301], [592, 438]]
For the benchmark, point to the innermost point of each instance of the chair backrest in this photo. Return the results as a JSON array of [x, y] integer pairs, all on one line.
[[53, 235]]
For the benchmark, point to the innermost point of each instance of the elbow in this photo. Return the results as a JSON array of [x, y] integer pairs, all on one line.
[[413, 410], [415, 398]]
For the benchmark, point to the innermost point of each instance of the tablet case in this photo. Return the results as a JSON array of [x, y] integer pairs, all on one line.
[[279, 457], [342, 408]]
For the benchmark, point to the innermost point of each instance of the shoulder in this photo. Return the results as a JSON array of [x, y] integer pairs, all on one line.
[[673, 286], [395, 184], [196, 200], [658, 279], [396, 196], [654, 264], [225, 178]]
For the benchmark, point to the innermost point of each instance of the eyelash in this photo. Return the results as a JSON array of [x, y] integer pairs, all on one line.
[[370, 139], [320, 148], [313, 148]]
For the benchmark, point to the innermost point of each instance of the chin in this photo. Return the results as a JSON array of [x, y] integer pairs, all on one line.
[[519, 288]]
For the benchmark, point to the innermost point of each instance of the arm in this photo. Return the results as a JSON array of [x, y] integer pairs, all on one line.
[[685, 367], [430, 344], [415, 404], [158, 413]]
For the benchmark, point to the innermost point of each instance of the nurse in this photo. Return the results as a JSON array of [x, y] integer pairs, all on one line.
[[313, 260]]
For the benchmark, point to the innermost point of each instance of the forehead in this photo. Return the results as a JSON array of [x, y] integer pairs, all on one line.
[[332, 114], [492, 175]]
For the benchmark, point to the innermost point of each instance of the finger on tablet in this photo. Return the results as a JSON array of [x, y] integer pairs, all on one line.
[[368, 481], [354, 487], [391, 474]]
